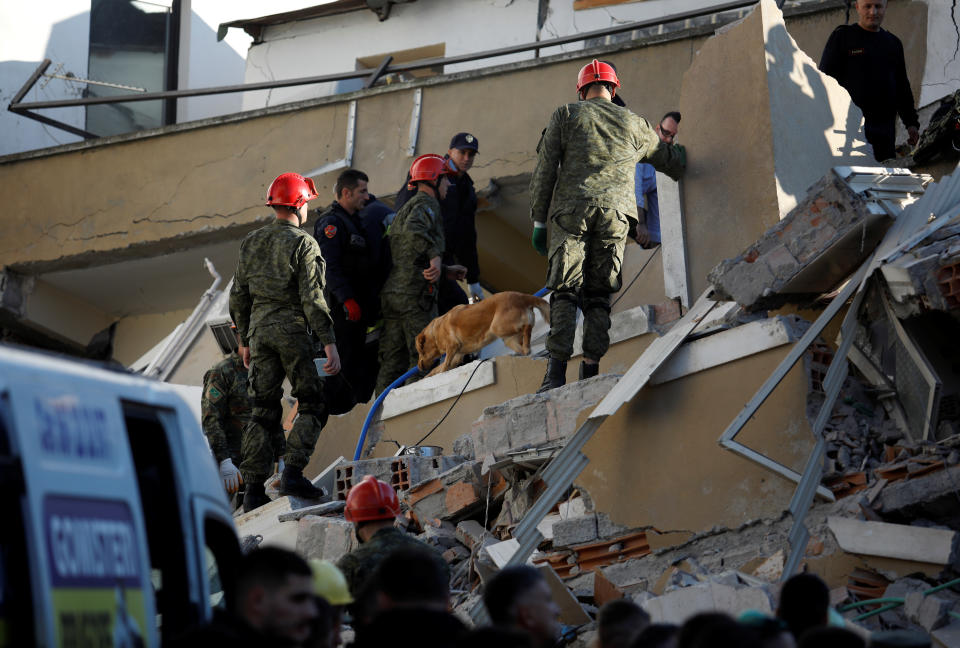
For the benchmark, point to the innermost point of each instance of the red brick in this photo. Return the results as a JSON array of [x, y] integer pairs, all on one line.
[[460, 496]]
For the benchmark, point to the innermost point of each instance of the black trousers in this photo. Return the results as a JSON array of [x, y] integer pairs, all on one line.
[[358, 367]]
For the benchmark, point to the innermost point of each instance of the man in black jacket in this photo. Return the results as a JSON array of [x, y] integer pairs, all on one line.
[[353, 281], [459, 210], [868, 62]]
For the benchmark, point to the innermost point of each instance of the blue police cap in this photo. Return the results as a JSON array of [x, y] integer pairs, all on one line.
[[465, 141]]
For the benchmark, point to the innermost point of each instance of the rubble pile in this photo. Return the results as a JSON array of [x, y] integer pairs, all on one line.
[[883, 528]]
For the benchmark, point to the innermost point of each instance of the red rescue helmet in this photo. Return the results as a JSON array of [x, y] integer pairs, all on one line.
[[429, 168], [597, 72], [371, 499], [291, 189]]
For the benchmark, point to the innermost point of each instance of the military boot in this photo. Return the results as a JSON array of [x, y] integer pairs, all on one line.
[[254, 497], [556, 375], [292, 482], [589, 370]]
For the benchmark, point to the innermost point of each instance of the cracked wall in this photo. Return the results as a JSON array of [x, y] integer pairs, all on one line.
[[162, 190], [941, 75]]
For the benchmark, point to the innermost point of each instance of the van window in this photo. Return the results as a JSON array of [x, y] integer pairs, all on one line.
[[163, 518], [16, 595], [222, 557]]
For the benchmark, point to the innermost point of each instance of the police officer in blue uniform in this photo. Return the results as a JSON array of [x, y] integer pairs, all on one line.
[[353, 278], [459, 210]]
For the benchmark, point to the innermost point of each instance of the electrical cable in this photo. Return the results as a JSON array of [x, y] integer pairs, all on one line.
[[645, 264], [453, 404]]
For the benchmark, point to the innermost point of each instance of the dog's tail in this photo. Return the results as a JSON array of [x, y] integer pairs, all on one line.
[[541, 305]]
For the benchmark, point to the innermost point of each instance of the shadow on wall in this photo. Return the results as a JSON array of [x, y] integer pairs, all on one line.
[[210, 63], [68, 44], [814, 134]]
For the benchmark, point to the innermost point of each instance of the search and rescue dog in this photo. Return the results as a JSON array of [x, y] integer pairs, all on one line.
[[467, 328]]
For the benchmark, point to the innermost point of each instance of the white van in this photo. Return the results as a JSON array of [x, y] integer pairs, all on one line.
[[114, 524]]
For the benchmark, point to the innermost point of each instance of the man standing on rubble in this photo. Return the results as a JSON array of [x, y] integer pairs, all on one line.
[[372, 506], [352, 285], [277, 303], [409, 296], [459, 212], [583, 182], [868, 62]]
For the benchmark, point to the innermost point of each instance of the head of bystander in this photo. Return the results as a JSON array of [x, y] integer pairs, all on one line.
[[275, 595], [804, 603], [619, 623], [871, 13], [520, 598]]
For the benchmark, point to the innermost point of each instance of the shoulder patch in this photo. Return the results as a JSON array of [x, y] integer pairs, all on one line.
[[214, 394], [330, 231]]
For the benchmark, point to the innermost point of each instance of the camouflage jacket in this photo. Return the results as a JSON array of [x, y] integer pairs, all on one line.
[[588, 154], [358, 565], [225, 404], [279, 280], [416, 236]]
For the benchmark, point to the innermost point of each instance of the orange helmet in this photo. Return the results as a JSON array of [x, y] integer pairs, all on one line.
[[597, 72], [371, 499], [291, 189], [429, 168]]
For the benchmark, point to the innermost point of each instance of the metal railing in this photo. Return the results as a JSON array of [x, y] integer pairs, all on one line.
[[18, 106]]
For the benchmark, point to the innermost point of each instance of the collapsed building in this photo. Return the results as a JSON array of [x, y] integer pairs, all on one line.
[[800, 414], [782, 391]]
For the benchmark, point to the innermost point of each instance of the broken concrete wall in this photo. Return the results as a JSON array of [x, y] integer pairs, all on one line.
[[928, 276], [667, 451], [535, 419], [784, 125], [811, 250]]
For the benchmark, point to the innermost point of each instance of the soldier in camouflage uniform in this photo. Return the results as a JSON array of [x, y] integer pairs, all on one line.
[[408, 299], [225, 408], [583, 182], [372, 506], [277, 303]]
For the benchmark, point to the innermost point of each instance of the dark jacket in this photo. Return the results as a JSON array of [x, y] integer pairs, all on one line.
[[413, 627], [870, 66], [459, 211], [349, 256]]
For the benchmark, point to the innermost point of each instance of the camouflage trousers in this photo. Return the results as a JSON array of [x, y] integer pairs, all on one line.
[[278, 351], [585, 257], [403, 318]]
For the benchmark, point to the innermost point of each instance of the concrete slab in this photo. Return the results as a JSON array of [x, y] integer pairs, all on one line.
[[784, 125], [681, 604], [263, 522], [893, 540], [437, 388], [727, 346]]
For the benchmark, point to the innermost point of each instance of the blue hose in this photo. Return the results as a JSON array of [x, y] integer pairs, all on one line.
[[396, 383], [373, 410]]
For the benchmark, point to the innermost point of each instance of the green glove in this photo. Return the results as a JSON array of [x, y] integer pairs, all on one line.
[[539, 238], [683, 155]]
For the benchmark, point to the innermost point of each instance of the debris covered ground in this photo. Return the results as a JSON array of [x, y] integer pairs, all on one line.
[[891, 446]]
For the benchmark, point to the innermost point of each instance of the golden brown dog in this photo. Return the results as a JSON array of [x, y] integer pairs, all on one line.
[[467, 328]]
